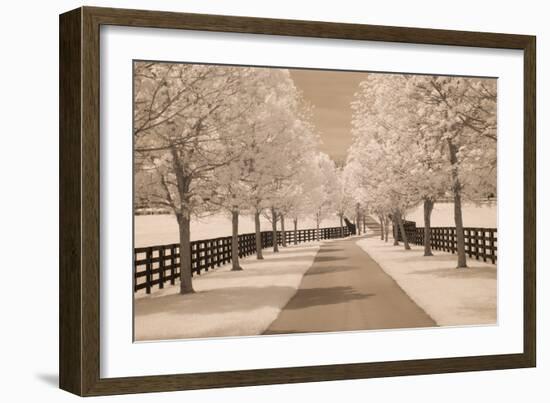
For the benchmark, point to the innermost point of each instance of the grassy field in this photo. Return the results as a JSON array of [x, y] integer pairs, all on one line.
[[474, 215], [163, 229]]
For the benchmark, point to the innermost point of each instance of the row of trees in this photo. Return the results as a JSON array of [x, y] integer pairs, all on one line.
[[233, 139], [240, 140], [419, 138]]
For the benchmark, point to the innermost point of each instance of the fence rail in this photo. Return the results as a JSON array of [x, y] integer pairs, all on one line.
[[160, 264], [480, 243]]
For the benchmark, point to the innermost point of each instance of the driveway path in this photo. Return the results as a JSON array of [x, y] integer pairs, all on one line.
[[345, 289]]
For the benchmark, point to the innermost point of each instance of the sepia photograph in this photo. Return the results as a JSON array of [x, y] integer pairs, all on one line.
[[271, 200]]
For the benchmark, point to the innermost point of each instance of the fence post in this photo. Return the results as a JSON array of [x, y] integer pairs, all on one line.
[[492, 243], [134, 277], [207, 254], [484, 241], [468, 241], [172, 265], [228, 252], [195, 252], [161, 267], [453, 240], [148, 270], [211, 253], [476, 242]]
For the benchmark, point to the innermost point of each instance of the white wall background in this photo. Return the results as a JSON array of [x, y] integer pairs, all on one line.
[[29, 198]]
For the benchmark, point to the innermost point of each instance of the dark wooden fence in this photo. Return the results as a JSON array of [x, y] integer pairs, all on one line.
[[158, 265], [480, 243]]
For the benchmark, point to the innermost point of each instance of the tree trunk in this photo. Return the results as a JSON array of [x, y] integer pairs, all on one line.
[[456, 188], [394, 231], [381, 228], [283, 232], [386, 224], [403, 233], [318, 222], [274, 228], [295, 231], [183, 217], [186, 278], [259, 253], [358, 220], [235, 266], [341, 225], [428, 207]]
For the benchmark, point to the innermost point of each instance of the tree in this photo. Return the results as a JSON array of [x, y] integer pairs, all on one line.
[[291, 204], [341, 198], [265, 164], [462, 114], [187, 123], [321, 181], [283, 138], [430, 134], [380, 153], [230, 194]]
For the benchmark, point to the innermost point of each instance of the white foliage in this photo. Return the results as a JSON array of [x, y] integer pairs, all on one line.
[[403, 126]]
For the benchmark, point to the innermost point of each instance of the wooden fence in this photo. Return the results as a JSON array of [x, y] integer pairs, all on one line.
[[158, 265], [480, 243]]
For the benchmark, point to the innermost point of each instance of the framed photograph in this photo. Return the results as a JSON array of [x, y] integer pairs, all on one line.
[[248, 201]]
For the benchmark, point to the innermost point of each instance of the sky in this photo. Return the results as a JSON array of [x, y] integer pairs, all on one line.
[[330, 92]]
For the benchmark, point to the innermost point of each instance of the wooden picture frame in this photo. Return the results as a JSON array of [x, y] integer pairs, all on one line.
[[80, 187]]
